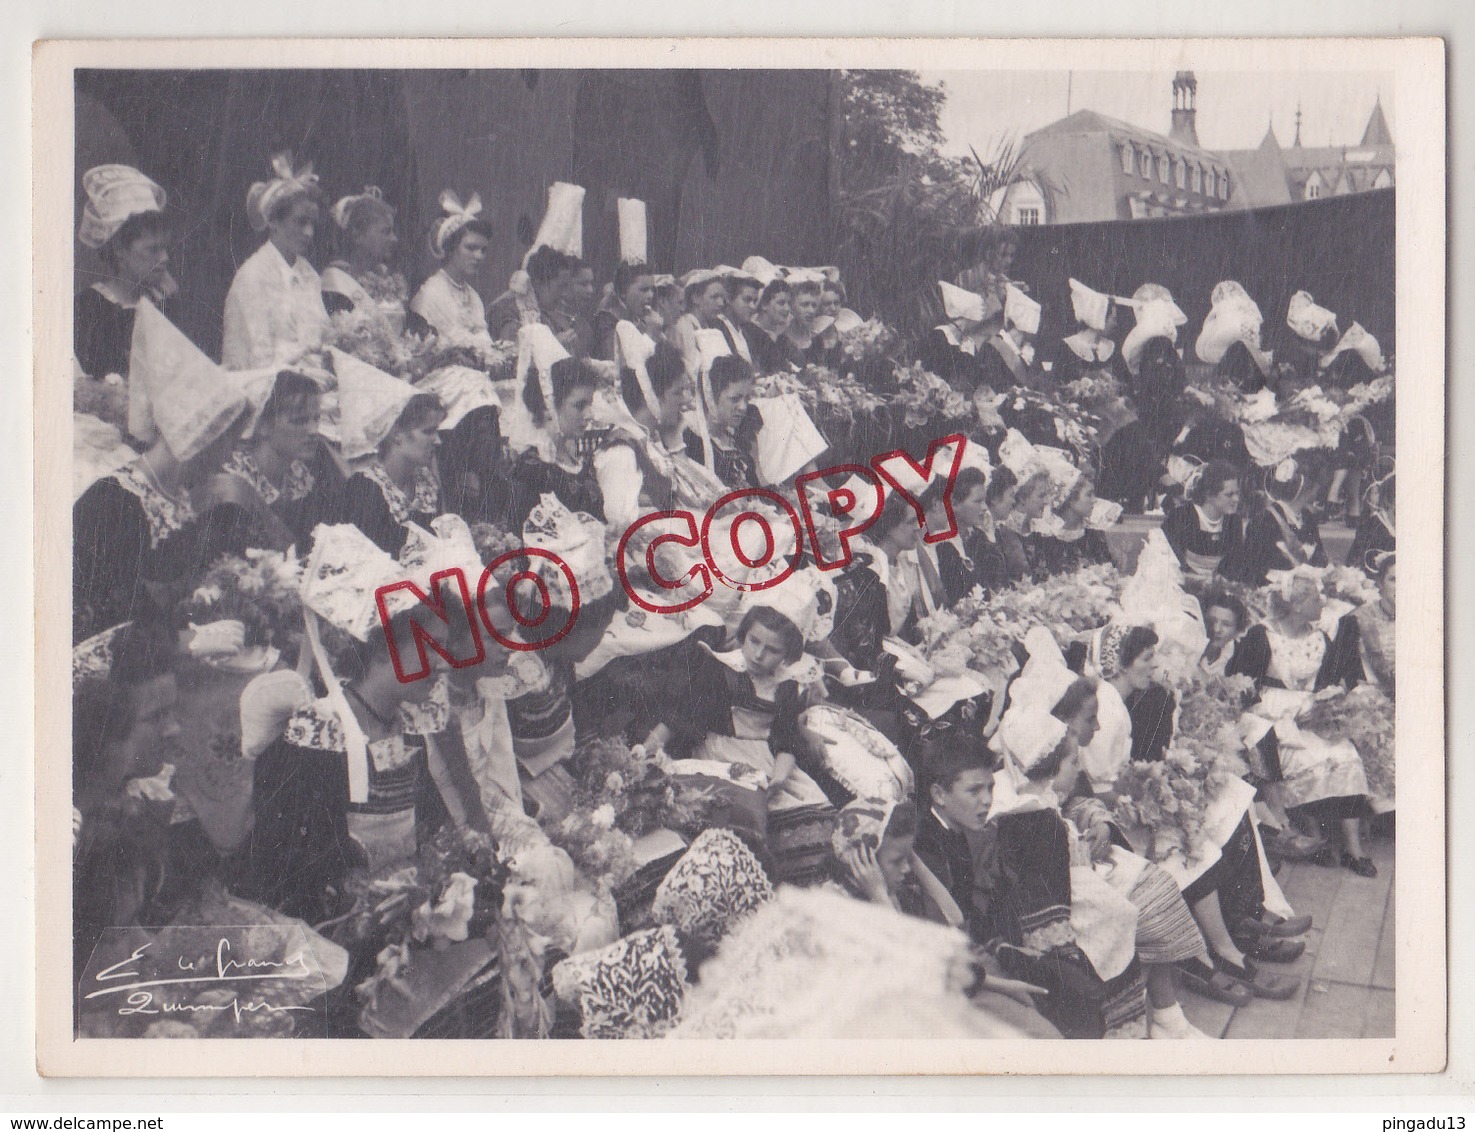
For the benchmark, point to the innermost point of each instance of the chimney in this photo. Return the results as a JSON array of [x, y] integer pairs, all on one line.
[[1185, 110]]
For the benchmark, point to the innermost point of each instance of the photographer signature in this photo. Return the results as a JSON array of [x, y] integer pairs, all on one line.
[[225, 970]]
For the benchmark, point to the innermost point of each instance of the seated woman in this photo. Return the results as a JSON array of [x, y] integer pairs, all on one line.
[[1071, 545], [1087, 962], [642, 465], [448, 301], [123, 719], [138, 543], [726, 388], [398, 484], [1376, 623], [705, 295], [958, 565], [1016, 541], [875, 846], [1377, 533], [629, 301], [765, 332], [1290, 652], [558, 463], [1207, 531], [124, 222], [806, 297], [826, 349], [951, 350], [1136, 723], [1284, 534], [274, 310], [361, 279], [1091, 347], [265, 496]]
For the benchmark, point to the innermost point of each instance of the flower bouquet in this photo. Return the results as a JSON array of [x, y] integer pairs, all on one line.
[[870, 340], [1067, 604], [824, 393], [261, 590], [924, 397], [1363, 715], [105, 398]]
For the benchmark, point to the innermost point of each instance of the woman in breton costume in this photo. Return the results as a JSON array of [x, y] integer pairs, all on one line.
[[743, 291], [642, 465], [138, 542], [123, 221], [1007, 358], [274, 310], [538, 291], [1154, 367], [728, 426], [1065, 926], [1220, 878], [1207, 531], [951, 350], [361, 280], [1306, 344], [1091, 348], [628, 298], [392, 433], [558, 392], [1376, 624], [357, 779], [1290, 656], [807, 324], [767, 344], [1230, 339], [705, 296], [1165, 930], [1377, 533], [827, 349], [1284, 534], [266, 495], [1071, 543], [448, 301]]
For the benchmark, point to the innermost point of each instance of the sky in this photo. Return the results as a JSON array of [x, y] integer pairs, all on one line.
[[985, 107]]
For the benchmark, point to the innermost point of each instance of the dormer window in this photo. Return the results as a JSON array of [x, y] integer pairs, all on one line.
[[1198, 178], [1164, 165], [1146, 166], [1180, 174], [1129, 158]]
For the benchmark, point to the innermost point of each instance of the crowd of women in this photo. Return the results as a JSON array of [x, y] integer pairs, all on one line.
[[1029, 780]]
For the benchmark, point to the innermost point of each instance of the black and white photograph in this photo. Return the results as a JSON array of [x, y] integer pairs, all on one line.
[[740, 552]]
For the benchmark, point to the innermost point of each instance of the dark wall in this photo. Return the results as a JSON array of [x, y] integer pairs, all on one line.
[[1340, 249], [731, 163]]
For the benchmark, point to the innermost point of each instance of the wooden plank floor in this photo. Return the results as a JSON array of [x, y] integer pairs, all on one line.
[[1346, 973]]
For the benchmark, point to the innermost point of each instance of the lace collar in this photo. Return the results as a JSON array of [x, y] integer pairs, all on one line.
[[243, 466], [402, 507], [1090, 346], [166, 516]]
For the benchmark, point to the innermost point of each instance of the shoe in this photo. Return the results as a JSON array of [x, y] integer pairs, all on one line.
[[1326, 858], [1290, 846], [1171, 1023], [1208, 983], [1270, 950], [1259, 983], [1362, 866], [1280, 927]]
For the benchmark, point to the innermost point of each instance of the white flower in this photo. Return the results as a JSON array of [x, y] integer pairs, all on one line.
[[114, 379], [614, 782], [450, 917], [603, 817], [208, 594]]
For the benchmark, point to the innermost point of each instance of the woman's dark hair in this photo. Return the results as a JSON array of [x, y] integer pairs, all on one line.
[[418, 412], [1211, 480], [726, 371], [139, 226], [565, 376], [772, 291], [1238, 367], [1138, 640], [836, 286], [693, 291], [478, 226], [290, 391], [737, 284], [1001, 481], [547, 264], [102, 707], [625, 276], [807, 287], [902, 822], [1049, 766], [949, 757], [1217, 599], [894, 512], [362, 212], [665, 368], [774, 621], [1082, 690]]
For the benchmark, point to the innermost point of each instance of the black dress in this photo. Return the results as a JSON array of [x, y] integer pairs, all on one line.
[[733, 466], [770, 355], [375, 505], [961, 370], [1373, 535], [134, 552], [1130, 468], [1050, 555], [1266, 537], [533, 477], [967, 866], [1202, 552], [102, 334]]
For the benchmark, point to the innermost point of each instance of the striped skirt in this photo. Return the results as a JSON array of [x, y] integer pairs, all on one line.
[[1166, 931]]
